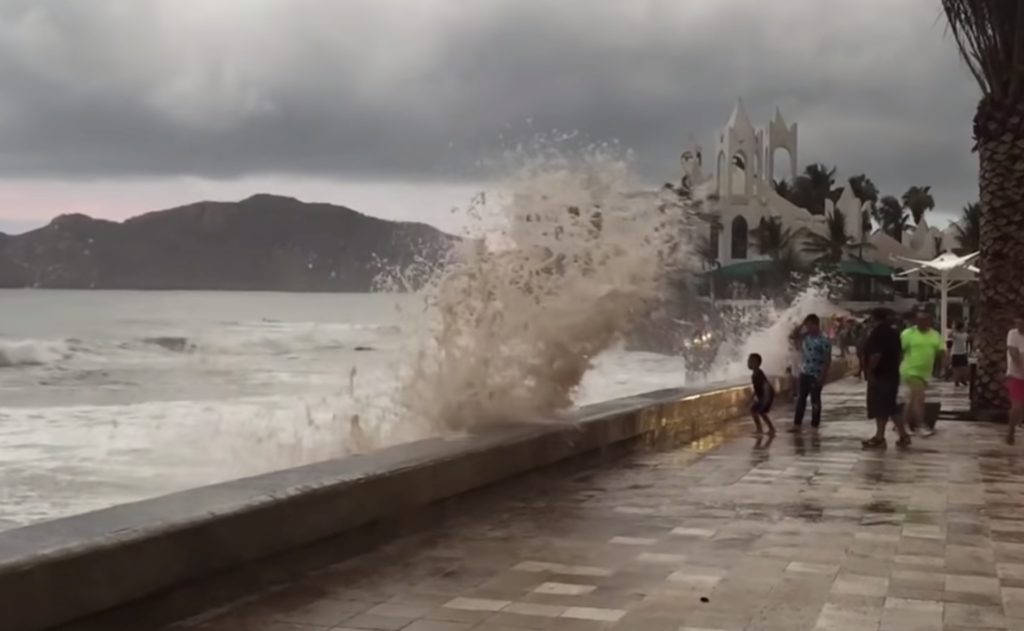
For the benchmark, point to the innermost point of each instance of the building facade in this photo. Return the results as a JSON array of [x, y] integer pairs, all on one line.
[[747, 161]]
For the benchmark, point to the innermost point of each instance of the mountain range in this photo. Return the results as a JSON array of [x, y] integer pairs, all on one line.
[[263, 243]]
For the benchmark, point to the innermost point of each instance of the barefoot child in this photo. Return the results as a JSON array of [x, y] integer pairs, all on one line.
[[764, 395]]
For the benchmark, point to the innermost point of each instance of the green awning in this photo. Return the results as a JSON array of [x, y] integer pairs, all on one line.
[[741, 270], [864, 268]]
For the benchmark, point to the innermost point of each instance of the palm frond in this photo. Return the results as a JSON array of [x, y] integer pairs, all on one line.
[[968, 228], [990, 36], [836, 243]]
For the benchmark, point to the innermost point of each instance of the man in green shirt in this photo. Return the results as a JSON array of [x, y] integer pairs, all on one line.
[[922, 348]]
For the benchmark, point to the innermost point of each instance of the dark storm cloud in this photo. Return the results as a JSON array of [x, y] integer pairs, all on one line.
[[394, 89]]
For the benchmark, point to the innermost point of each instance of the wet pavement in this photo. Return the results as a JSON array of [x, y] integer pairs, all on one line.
[[730, 534]]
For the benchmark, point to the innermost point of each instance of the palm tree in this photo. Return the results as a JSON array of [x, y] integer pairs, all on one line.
[[918, 200], [836, 244], [784, 189], [891, 217], [706, 248], [780, 244], [864, 189], [812, 187], [990, 37], [968, 228]]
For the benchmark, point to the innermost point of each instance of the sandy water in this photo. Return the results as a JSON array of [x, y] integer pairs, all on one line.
[[110, 397]]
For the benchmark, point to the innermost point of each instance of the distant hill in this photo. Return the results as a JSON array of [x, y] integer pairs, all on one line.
[[265, 242]]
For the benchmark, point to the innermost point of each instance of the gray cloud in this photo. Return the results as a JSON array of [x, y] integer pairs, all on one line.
[[396, 89]]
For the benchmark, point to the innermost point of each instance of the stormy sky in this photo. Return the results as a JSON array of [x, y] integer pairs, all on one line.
[[115, 107]]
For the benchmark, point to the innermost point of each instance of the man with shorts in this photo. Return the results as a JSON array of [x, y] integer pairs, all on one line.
[[1015, 375], [881, 354], [816, 359], [922, 348]]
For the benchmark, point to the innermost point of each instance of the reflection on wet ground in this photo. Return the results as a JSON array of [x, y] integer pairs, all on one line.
[[733, 534]]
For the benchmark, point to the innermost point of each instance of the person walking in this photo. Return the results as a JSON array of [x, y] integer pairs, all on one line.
[[959, 347], [922, 348], [1015, 376], [881, 354], [816, 359]]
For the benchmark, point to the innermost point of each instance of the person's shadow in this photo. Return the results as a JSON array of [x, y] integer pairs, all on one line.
[[801, 444], [760, 454]]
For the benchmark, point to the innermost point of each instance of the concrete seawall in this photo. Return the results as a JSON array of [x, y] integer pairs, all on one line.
[[172, 555]]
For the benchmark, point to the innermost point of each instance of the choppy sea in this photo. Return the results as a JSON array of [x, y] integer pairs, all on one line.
[[110, 397]]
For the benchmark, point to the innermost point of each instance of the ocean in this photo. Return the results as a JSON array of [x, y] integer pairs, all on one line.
[[111, 397]]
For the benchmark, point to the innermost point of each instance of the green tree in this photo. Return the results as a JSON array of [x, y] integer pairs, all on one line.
[[836, 244], [891, 217], [864, 189], [781, 245], [968, 229], [784, 188], [813, 187], [918, 200], [990, 37]]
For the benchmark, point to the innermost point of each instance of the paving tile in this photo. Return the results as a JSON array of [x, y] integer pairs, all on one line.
[[824, 569], [593, 613], [437, 625], [633, 541], [477, 604], [972, 584], [564, 589], [809, 533], [377, 623], [973, 616], [661, 558], [323, 612], [856, 585]]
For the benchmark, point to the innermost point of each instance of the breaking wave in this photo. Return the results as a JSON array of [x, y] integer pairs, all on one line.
[[516, 317], [14, 353]]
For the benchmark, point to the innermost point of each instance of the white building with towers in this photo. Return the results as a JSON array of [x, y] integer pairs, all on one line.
[[748, 159]]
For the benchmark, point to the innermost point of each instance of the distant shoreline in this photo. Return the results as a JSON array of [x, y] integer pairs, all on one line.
[[265, 243]]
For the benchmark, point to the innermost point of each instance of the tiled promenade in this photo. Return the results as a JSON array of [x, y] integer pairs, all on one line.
[[807, 533]]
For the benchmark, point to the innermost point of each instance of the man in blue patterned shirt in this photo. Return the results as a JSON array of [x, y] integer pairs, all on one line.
[[816, 350]]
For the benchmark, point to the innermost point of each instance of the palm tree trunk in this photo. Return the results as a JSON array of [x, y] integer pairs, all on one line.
[[999, 131]]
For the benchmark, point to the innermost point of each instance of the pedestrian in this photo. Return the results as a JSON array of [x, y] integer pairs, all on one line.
[[922, 349], [1015, 376], [881, 353], [959, 347], [816, 359], [764, 395]]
